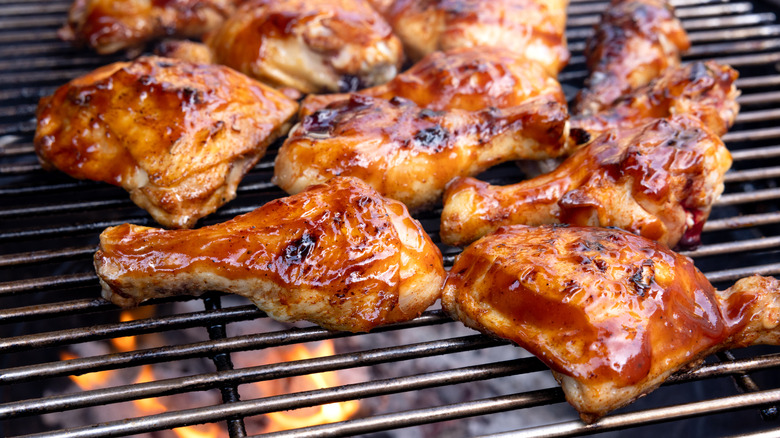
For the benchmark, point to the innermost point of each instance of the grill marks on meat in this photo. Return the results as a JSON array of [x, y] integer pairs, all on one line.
[[533, 29], [108, 26], [612, 320], [659, 182], [338, 254], [704, 90], [410, 153], [313, 47], [470, 79], [178, 136], [634, 42]]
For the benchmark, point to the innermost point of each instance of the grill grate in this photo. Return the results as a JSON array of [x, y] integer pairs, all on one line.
[[49, 301]]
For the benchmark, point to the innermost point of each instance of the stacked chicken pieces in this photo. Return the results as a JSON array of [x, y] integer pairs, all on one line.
[[613, 313]]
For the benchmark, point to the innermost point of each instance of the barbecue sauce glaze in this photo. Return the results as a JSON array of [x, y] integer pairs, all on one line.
[[337, 254]]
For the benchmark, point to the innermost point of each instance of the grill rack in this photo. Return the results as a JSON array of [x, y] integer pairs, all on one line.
[[49, 225]]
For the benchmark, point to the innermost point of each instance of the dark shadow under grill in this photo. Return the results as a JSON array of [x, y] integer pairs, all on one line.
[[49, 294]]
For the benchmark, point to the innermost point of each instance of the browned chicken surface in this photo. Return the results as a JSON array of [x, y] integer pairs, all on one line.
[[659, 182], [612, 314], [409, 153], [469, 78], [108, 26], [635, 41], [338, 254], [532, 28], [703, 90], [178, 136], [312, 46]]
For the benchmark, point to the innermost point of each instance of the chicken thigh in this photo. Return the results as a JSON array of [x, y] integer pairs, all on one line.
[[108, 26], [469, 78], [635, 41], [178, 136], [338, 254], [311, 46], [612, 314], [409, 153], [659, 181], [534, 29]]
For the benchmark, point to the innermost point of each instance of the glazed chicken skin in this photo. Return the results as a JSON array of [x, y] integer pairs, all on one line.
[[468, 78], [635, 41], [178, 136], [660, 182], [703, 90], [534, 29], [409, 153], [311, 46], [338, 254], [108, 26], [611, 313]]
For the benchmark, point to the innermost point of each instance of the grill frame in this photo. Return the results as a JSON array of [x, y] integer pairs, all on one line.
[[38, 240]]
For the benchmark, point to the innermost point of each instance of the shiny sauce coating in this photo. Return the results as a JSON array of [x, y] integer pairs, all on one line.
[[598, 305], [148, 114], [337, 254]]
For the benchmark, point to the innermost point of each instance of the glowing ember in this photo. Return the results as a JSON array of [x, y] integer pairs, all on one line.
[[148, 406], [275, 421], [313, 416], [89, 381]]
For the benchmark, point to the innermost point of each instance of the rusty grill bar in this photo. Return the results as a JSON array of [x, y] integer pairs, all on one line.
[[49, 295]]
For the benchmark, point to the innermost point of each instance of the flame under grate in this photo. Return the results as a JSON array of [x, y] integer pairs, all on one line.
[[49, 225]]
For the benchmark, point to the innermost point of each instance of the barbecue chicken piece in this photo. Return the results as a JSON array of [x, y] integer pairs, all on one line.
[[409, 153], [338, 254], [178, 136], [703, 90], [470, 79], [659, 182], [108, 26], [633, 44], [612, 314], [312, 46], [532, 28]]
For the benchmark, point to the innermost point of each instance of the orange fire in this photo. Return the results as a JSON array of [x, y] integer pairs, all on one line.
[[148, 406], [313, 416], [278, 421]]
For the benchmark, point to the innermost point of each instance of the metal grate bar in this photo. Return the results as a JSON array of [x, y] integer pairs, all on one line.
[[299, 400], [45, 256], [450, 412], [107, 331], [177, 352], [752, 174], [62, 308], [652, 416], [222, 361], [748, 197], [41, 283], [737, 273], [734, 247], [745, 221], [203, 382]]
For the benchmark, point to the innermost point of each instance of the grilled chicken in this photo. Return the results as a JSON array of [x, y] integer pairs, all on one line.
[[659, 182], [178, 136], [635, 41], [532, 28], [612, 314], [704, 90], [312, 46], [338, 254], [470, 79], [108, 26], [409, 153]]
